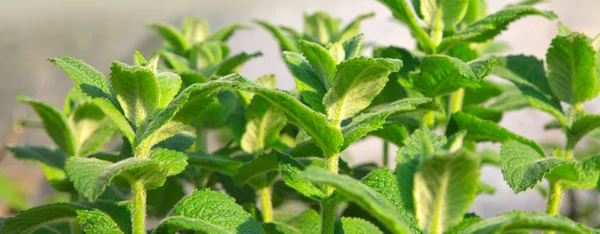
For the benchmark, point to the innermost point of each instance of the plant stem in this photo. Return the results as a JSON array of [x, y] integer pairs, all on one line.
[[74, 225], [456, 101], [267, 206], [386, 150], [437, 31], [138, 211], [554, 198], [332, 166], [328, 217]]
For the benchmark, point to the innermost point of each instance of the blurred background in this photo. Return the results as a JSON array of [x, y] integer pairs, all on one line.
[[99, 32]]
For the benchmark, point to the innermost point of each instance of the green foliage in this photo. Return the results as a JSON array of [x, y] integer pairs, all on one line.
[[279, 149]]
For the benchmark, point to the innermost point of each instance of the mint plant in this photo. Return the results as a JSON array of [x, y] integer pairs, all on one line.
[[282, 147]]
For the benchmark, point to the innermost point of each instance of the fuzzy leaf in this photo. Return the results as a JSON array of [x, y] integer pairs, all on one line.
[[172, 35], [311, 88], [490, 26], [445, 188], [587, 172], [307, 222], [356, 225], [365, 197], [326, 136], [320, 60], [93, 218], [446, 13], [137, 91], [485, 130], [581, 127], [523, 167], [170, 163], [352, 30], [387, 184], [168, 85], [91, 176], [442, 75], [355, 84], [285, 43], [223, 34], [345, 50], [90, 127], [210, 212], [55, 124], [371, 121], [401, 11], [234, 63], [195, 30], [571, 64], [517, 221], [527, 73], [321, 27], [52, 162], [263, 124], [223, 164]]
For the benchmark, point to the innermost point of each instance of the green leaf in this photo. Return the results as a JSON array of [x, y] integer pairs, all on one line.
[[263, 124], [285, 43], [447, 13], [74, 98], [518, 221], [485, 188], [490, 26], [195, 30], [402, 12], [442, 74], [168, 86], [184, 109], [94, 218], [476, 10], [485, 92], [161, 200], [174, 61], [445, 188], [326, 136], [206, 56], [587, 172], [169, 162], [355, 84], [223, 34], [90, 127], [320, 60], [355, 225], [485, 130], [523, 167], [179, 142], [52, 162], [527, 73], [393, 133], [388, 185], [234, 63], [321, 27], [223, 164], [55, 124], [581, 127], [347, 49], [173, 36], [359, 193], [307, 222], [571, 64], [224, 215], [371, 121], [311, 88], [137, 91], [91, 176], [353, 29]]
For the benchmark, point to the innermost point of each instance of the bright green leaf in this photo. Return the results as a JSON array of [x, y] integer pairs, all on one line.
[[356, 226], [517, 221], [263, 124], [322, 62], [172, 35]]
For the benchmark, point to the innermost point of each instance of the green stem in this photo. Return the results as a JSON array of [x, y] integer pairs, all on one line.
[[554, 198], [328, 217], [332, 166], [74, 225], [456, 101], [138, 210], [267, 206], [429, 118], [386, 151], [200, 139]]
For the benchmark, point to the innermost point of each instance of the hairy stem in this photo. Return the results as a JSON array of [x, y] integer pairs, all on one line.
[[456, 101], [74, 225], [332, 166], [267, 206], [386, 154], [138, 210], [328, 217]]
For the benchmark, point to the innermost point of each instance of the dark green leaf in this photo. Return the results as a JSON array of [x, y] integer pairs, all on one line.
[[519, 221], [311, 88]]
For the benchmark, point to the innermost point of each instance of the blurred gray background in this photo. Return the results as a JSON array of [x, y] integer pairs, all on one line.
[[102, 31]]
